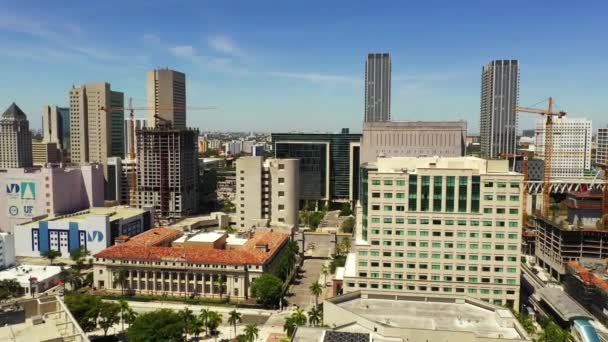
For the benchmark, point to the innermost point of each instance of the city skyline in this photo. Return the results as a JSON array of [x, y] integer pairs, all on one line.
[[286, 74]]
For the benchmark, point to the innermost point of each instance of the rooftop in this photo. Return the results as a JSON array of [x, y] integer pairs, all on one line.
[[563, 304], [414, 164], [152, 245], [434, 313], [115, 213], [13, 112], [23, 273], [596, 275]]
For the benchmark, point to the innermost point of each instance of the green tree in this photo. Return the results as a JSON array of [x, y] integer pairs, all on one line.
[[124, 306], [188, 317], [78, 256], [109, 314], [129, 316], [526, 322], [251, 332], [198, 326], [267, 289], [85, 309], [9, 288], [203, 317], [348, 225], [157, 326], [315, 316], [234, 318], [316, 290], [214, 320], [299, 317], [343, 246], [120, 279], [325, 273], [553, 333], [51, 254], [345, 210], [289, 326]]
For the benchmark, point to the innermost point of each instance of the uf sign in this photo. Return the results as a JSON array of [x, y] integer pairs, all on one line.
[[95, 236]]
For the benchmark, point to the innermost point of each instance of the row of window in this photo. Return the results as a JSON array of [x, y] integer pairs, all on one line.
[[425, 255], [450, 181], [436, 233], [471, 268], [460, 279], [437, 222], [486, 246]]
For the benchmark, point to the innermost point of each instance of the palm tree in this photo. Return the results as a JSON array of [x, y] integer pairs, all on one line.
[[324, 272], [120, 278], [214, 319], [197, 326], [203, 317], [289, 326], [315, 316], [124, 306], [299, 318], [130, 316], [251, 332], [220, 283], [315, 290], [187, 316], [234, 318]]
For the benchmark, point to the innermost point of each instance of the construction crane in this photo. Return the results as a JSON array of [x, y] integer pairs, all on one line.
[[132, 179], [548, 152]]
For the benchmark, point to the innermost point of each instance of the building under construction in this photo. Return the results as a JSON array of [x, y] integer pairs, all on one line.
[[167, 171]]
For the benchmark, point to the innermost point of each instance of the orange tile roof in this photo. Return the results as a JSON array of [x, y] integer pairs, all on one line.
[[588, 277], [145, 246]]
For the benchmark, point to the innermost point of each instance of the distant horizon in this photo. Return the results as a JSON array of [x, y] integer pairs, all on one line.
[[271, 67]]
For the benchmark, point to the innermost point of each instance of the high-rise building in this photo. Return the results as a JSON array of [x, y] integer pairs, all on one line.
[[44, 153], [498, 110], [167, 171], [329, 163], [378, 87], [139, 124], [15, 139], [601, 154], [166, 94], [56, 129], [413, 139], [438, 225], [267, 192], [96, 123], [571, 146]]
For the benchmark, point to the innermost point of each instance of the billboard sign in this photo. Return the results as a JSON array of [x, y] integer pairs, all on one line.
[[20, 198]]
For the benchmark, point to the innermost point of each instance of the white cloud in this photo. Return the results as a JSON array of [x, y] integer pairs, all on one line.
[[317, 77], [224, 44], [150, 38], [184, 51]]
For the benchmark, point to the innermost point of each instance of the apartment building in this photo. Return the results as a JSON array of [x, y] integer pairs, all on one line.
[[166, 96], [267, 192], [438, 225], [15, 139], [601, 154], [571, 146]]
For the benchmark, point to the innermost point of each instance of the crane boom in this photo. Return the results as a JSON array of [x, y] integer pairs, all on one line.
[[548, 149]]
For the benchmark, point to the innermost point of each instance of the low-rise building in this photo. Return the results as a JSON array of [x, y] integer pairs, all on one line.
[[267, 193], [213, 221], [29, 193], [94, 229], [164, 261], [33, 279], [366, 316], [7, 250], [587, 281]]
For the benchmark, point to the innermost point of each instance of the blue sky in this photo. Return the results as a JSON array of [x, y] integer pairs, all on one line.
[[299, 65]]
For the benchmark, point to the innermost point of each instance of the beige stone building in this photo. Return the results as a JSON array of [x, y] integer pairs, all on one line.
[[164, 261], [267, 192], [166, 95], [45, 152], [438, 225], [15, 139], [96, 128]]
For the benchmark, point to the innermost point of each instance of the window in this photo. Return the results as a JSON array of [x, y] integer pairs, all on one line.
[[399, 232], [363, 253], [449, 222], [375, 195], [488, 185], [375, 219], [487, 210], [461, 234], [388, 182], [400, 182], [411, 233], [501, 198], [399, 220], [387, 220], [411, 243], [375, 253], [501, 184], [501, 210], [363, 263], [281, 193], [474, 223], [514, 185], [375, 207], [375, 182], [281, 180], [400, 195], [411, 221], [388, 195], [512, 236], [424, 233], [387, 208], [513, 224], [488, 197], [388, 232]]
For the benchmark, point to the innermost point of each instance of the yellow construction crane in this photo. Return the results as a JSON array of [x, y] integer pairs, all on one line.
[[548, 152], [157, 118]]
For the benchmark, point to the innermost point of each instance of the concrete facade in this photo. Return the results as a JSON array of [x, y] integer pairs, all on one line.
[[498, 114], [438, 225], [56, 128], [412, 139], [267, 192], [31, 193], [7, 250], [44, 153], [167, 171], [601, 154], [94, 229], [166, 95], [15, 139], [571, 146], [96, 125], [378, 87]]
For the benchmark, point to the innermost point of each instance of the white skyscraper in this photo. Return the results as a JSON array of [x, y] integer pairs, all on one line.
[[571, 146]]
